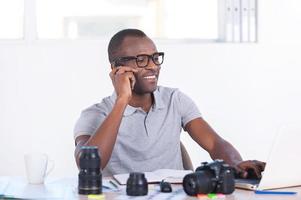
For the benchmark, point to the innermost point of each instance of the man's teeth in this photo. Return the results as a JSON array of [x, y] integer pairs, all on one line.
[[150, 77]]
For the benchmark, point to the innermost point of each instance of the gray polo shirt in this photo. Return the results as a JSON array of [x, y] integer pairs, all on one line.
[[145, 141]]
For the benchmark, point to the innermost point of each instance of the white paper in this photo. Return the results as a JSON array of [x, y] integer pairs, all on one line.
[[19, 188], [155, 193], [3, 184]]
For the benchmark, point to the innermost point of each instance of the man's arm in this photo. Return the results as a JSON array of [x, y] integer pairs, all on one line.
[[105, 136], [218, 148], [208, 139]]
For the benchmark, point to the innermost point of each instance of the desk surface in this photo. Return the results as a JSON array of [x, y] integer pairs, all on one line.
[[66, 188]]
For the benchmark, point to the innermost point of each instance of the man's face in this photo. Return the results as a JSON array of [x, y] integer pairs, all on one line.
[[146, 77]]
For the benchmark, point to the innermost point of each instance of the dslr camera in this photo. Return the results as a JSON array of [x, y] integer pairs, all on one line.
[[214, 177]]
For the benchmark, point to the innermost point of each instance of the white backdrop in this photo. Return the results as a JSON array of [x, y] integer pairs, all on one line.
[[245, 91]]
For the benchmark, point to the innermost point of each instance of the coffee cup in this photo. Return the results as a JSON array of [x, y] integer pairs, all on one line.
[[38, 167]]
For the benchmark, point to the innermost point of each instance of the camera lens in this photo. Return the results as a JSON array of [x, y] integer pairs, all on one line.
[[214, 177], [200, 182], [136, 184], [89, 177]]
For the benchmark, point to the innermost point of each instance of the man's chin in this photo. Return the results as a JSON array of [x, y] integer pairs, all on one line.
[[142, 91]]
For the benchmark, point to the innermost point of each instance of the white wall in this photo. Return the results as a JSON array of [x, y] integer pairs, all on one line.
[[245, 91]]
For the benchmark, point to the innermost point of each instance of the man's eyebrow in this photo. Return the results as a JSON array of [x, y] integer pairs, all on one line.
[[127, 57], [119, 58]]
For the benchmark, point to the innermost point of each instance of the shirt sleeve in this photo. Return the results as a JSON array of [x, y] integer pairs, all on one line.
[[187, 108], [89, 120]]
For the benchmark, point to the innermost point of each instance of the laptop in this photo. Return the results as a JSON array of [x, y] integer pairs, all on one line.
[[283, 164]]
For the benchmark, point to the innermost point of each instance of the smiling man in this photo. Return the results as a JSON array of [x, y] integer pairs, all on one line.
[[138, 127]]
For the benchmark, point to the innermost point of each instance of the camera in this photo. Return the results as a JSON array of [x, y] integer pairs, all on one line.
[[214, 177], [89, 177]]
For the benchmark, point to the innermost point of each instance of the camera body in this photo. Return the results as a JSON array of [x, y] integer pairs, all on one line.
[[214, 177]]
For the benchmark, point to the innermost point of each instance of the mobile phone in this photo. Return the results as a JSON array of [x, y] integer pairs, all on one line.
[[117, 63]]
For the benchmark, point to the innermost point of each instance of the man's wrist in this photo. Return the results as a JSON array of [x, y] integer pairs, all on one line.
[[122, 101], [235, 163]]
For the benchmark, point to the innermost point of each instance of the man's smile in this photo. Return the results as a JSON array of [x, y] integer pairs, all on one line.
[[150, 77]]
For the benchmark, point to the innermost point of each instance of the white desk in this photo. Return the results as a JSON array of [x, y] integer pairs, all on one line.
[[66, 188]]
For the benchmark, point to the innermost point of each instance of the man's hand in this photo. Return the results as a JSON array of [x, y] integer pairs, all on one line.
[[123, 80], [250, 169]]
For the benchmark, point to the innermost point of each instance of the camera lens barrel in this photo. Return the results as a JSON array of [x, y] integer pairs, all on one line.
[[136, 184], [89, 177], [199, 182]]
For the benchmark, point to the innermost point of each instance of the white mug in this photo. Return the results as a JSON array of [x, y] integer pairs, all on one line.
[[36, 167]]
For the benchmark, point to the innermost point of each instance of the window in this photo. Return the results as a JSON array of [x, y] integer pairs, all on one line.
[[213, 20], [11, 19], [171, 19]]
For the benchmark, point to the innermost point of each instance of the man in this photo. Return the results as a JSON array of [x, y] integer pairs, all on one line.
[[138, 127]]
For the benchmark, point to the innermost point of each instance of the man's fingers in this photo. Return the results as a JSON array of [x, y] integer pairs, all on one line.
[[131, 77], [242, 173], [133, 81], [250, 168], [260, 164], [121, 70], [256, 170], [113, 71]]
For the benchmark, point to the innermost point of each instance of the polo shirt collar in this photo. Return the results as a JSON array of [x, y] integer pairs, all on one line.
[[159, 104]]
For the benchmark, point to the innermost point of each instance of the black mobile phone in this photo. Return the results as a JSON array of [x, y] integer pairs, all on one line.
[[118, 63]]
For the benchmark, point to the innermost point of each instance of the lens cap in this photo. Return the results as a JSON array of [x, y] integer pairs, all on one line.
[[136, 184]]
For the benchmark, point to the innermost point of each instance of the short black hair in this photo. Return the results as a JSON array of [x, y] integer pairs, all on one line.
[[117, 39]]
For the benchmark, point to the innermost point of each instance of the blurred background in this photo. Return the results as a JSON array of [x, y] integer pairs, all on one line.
[[237, 59]]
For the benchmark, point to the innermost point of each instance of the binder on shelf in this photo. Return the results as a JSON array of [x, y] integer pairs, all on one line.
[[236, 20], [229, 21], [244, 14], [252, 20]]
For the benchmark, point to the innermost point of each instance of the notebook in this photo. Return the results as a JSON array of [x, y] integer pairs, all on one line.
[[169, 175], [283, 164]]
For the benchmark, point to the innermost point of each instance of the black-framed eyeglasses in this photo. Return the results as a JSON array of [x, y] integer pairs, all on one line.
[[142, 60]]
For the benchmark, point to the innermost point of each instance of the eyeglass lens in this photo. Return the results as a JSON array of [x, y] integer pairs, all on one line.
[[143, 60]]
